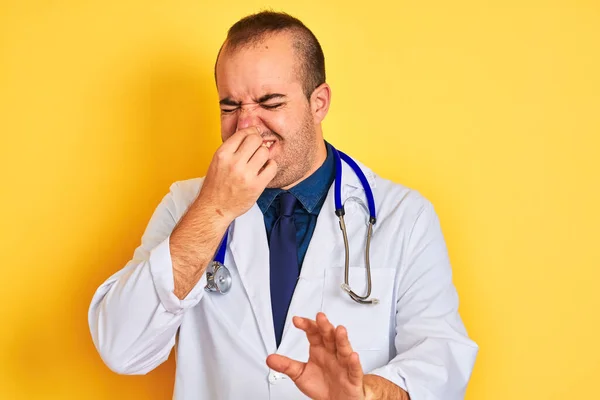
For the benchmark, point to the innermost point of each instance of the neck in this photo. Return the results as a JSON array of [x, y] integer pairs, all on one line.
[[321, 155]]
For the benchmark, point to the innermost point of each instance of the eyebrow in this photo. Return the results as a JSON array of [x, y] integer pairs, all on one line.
[[270, 96], [227, 101]]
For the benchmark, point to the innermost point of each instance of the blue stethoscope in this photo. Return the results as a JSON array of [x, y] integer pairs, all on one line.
[[219, 278]]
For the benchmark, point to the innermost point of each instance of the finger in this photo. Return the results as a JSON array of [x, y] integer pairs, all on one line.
[[310, 328], [343, 346], [268, 172], [233, 142], [258, 159], [327, 331], [355, 372], [285, 365], [248, 146]]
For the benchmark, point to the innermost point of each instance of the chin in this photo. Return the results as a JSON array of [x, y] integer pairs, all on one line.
[[275, 184], [279, 182]]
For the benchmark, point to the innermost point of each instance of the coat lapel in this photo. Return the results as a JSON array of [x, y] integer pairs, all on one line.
[[250, 252]]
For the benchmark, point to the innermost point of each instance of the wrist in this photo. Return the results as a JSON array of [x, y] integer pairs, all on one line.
[[378, 388], [369, 389], [212, 212]]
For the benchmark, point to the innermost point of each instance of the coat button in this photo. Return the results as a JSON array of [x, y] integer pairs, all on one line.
[[274, 377]]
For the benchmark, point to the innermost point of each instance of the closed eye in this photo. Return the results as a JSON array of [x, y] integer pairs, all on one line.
[[228, 110], [271, 106]]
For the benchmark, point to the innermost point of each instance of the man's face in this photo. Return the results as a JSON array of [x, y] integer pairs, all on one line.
[[260, 86]]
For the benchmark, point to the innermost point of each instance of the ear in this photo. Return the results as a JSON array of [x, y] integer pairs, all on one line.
[[320, 99]]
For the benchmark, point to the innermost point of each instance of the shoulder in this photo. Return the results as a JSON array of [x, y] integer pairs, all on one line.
[[401, 204], [393, 195], [396, 203], [186, 188], [397, 193], [182, 194]]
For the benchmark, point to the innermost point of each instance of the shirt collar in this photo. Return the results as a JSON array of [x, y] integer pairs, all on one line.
[[310, 192]]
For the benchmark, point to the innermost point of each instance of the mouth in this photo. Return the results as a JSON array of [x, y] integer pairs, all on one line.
[[268, 143]]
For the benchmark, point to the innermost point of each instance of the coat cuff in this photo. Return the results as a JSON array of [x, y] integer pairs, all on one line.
[[393, 374], [161, 269]]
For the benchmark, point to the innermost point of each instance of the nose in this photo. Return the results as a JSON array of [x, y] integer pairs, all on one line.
[[248, 116]]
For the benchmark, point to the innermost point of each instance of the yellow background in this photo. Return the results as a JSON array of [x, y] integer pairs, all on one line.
[[490, 109]]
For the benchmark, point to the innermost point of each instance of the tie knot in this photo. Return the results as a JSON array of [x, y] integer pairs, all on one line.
[[287, 202]]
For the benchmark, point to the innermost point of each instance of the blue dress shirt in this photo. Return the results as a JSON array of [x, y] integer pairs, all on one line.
[[311, 194]]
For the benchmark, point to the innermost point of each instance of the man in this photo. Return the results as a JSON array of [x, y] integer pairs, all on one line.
[[285, 329]]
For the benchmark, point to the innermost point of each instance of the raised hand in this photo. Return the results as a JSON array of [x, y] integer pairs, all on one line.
[[238, 173], [333, 370]]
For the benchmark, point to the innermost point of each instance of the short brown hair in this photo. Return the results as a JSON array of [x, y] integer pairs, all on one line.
[[254, 28]]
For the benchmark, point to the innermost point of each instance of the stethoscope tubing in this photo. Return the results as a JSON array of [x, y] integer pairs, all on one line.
[[219, 259]]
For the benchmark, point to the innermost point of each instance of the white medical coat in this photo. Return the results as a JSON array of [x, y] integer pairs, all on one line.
[[414, 337]]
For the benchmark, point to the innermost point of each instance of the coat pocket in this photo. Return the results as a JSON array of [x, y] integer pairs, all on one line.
[[370, 326]]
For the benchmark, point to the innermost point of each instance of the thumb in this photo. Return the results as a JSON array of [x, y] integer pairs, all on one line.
[[285, 365]]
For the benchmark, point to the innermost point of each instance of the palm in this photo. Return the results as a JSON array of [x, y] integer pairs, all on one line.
[[324, 378], [332, 371]]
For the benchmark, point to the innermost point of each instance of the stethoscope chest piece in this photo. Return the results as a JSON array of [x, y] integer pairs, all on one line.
[[218, 278]]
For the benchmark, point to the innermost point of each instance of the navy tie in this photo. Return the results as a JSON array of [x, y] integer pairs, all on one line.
[[283, 262]]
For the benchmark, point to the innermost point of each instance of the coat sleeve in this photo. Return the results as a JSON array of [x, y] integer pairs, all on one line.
[[134, 315], [434, 356]]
